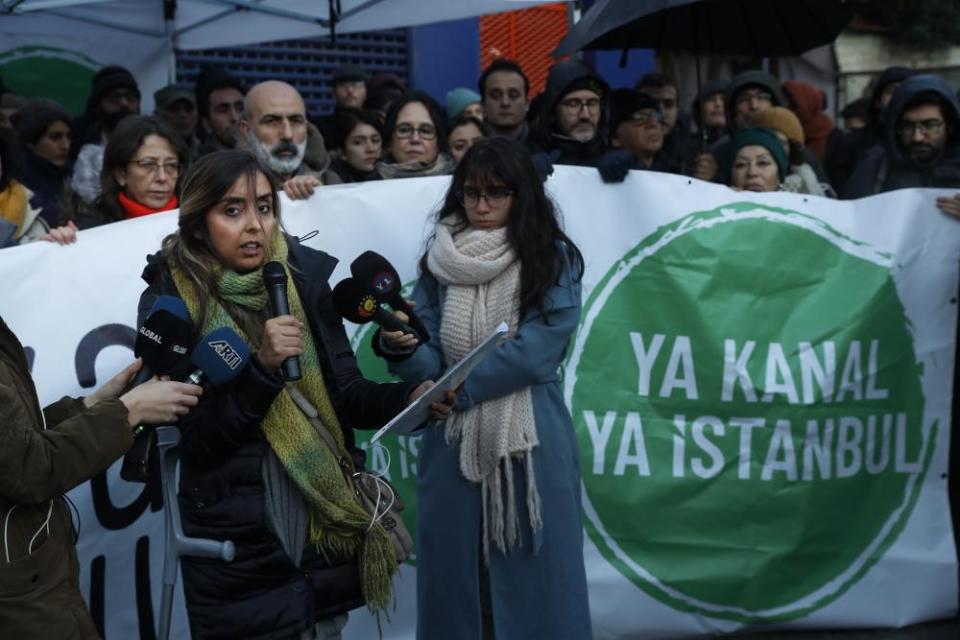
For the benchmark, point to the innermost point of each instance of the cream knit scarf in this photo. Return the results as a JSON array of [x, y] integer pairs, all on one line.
[[482, 274]]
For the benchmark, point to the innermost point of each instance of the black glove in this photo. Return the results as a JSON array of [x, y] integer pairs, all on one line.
[[615, 165], [543, 163]]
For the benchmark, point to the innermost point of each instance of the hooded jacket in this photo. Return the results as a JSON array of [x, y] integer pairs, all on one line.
[[43, 454], [544, 137], [887, 167], [844, 153]]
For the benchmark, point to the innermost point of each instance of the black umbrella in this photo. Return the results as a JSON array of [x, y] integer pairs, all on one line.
[[758, 28]]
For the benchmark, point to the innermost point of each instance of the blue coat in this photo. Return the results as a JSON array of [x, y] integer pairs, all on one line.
[[538, 590]]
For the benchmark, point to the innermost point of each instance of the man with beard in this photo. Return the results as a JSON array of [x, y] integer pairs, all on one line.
[[572, 119], [220, 105], [920, 149], [275, 128]]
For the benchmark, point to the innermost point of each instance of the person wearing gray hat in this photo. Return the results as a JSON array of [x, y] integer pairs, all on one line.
[[176, 104]]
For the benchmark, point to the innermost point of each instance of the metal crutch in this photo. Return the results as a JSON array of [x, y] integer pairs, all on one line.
[[176, 544]]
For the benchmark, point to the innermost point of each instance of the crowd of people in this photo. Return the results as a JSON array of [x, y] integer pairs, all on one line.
[[62, 174], [499, 511]]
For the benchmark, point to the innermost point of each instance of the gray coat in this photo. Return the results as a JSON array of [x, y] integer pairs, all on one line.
[[538, 590]]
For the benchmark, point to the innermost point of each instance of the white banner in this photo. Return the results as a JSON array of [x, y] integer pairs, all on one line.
[[761, 388]]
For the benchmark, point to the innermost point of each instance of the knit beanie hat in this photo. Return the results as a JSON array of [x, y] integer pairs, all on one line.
[[760, 79], [624, 103], [588, 83], [110, 78], [347, 73], [780, 119], [33, 120], [755, 136], [459, 99]]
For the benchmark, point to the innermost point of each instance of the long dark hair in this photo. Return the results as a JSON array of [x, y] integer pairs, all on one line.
[[123, 145], [190, 249], [532, 226]]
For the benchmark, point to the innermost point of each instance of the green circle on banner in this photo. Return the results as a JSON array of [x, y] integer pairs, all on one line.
[[749, 409], [398, 454], [49, 72]]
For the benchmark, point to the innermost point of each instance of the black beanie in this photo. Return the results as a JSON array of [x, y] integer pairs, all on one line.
[[110, 78]]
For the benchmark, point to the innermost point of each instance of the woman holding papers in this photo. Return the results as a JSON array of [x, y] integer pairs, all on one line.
[[500, 546], [256, 468]]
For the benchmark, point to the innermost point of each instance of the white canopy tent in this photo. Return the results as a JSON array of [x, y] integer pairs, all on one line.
[[208, 24], [143, 35]]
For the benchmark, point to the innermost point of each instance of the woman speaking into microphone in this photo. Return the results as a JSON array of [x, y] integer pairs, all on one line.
[[255, 469], [500, 544]]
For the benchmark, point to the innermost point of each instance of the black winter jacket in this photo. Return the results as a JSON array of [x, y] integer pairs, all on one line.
[[886, 168], [261, 594]]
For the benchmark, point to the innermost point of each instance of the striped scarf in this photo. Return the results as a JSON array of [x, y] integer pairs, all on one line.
[[338, 523]]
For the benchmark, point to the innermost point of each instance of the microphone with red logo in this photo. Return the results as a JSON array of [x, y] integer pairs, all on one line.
[[358, 305], [377, 275]]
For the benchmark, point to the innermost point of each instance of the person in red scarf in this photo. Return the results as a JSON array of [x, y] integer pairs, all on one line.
[[808, 103], [141, 167]]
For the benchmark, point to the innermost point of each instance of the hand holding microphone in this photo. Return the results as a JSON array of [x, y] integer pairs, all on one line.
[[282, 334], [377, 276]]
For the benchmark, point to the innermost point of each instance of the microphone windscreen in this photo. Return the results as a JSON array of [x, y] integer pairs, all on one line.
[[221, 355], [164, 338], [354, 302], [274, 274], [376, 274]]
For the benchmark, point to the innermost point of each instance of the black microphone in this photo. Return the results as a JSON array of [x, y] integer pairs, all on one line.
[[218, 358], [358, 305], [275, 278], [380, 277], [163, 339]]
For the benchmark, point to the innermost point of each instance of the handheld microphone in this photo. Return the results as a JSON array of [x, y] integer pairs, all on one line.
[[358, 305], [219, 357], [275, 278], [163, 339], [379, 276]]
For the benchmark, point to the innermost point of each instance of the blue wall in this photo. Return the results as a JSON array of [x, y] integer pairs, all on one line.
[[445, 56]]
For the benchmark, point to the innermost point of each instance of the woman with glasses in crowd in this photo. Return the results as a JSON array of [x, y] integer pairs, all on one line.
[[359, 145], [141, 167], [499, 514], [415, 147]]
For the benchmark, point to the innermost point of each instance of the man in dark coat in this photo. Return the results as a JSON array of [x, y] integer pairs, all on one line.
[[220, 106], [921, 145], [679, 146], [636, 126], [846, 152], [572, 119]]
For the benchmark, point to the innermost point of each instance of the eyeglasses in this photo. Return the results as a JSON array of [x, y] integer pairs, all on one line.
[[497, 197], [573, 106], [749, 96], [907, 128], [152, 166], [646, 117], [426, 131]]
